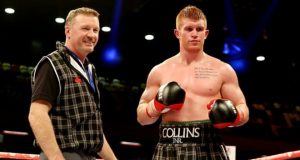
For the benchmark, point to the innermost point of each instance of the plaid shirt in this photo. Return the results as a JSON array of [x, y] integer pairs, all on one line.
[[76, 117]]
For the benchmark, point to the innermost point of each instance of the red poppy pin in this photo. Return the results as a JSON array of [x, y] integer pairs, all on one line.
[[77, 79]]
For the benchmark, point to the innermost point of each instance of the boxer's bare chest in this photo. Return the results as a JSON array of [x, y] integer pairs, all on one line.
[[202, 79]]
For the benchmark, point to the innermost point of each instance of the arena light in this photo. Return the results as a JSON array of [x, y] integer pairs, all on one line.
[[239, 65], [9, 10], [260, 58], [233, 46], [106, 29], [59, 20], [111, 55], [149, 37]]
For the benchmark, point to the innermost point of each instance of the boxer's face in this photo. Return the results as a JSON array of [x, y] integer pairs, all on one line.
[[192, 33]]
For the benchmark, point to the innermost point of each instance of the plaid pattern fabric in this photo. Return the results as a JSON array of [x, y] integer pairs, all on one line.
[[207, 146], [76, 117]]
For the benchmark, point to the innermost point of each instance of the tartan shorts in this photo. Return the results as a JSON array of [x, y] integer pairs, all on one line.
[[193, 140]]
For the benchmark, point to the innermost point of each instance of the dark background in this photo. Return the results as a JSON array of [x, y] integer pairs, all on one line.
[[271, 87]]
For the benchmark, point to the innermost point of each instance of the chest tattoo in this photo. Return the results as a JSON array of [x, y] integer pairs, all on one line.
[[204, 72]]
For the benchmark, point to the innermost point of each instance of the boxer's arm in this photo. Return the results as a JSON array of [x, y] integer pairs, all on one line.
[[232, 91], [43, 130], [145, 113]]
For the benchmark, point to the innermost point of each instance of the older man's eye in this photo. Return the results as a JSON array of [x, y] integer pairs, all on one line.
[[96, 30]]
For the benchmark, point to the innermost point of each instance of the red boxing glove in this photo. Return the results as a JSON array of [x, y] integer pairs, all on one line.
[[169, 96], [223, 113]]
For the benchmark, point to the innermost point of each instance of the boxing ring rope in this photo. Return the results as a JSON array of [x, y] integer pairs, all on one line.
[[10, 155], [23, 156], [27, 156], [281, 156], [15, 133]]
